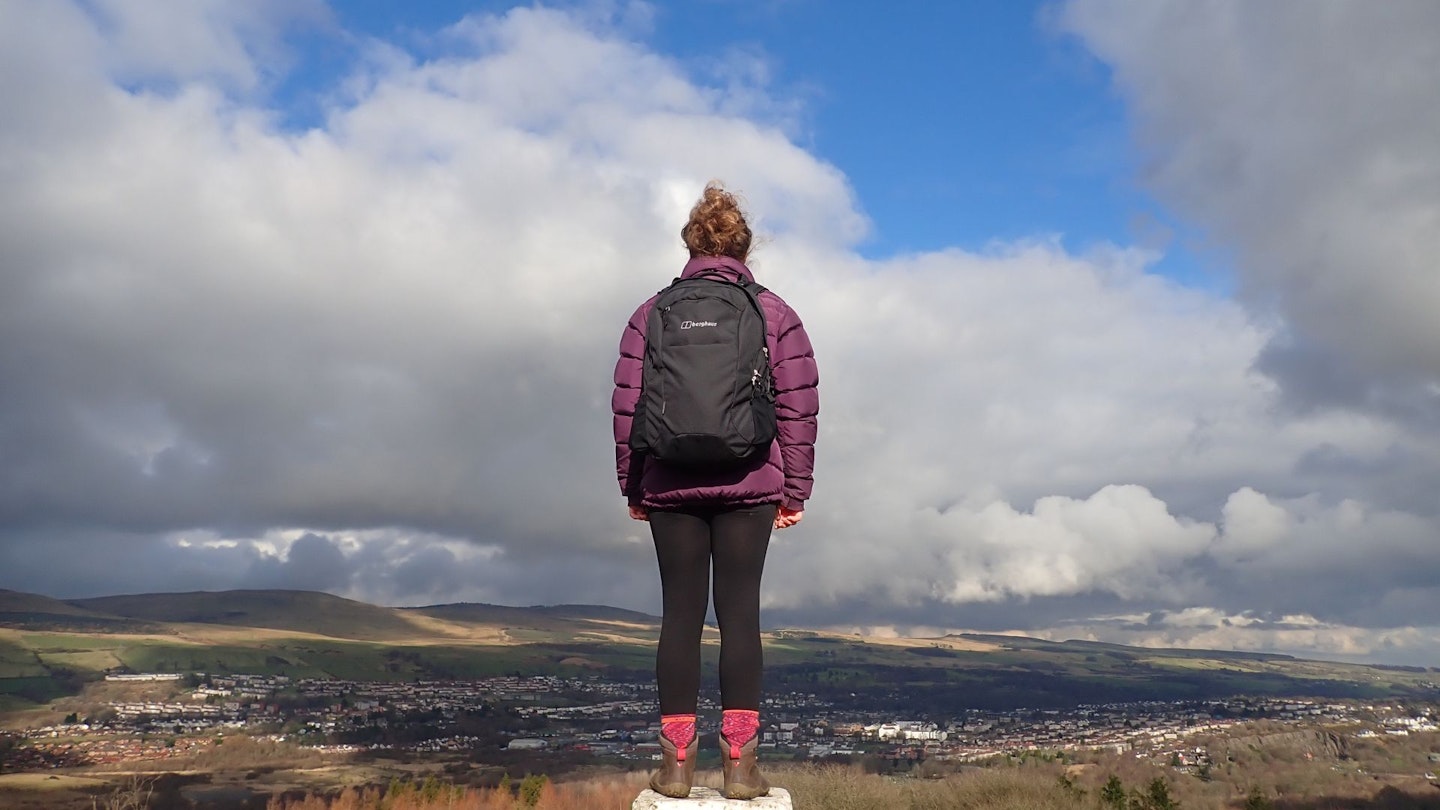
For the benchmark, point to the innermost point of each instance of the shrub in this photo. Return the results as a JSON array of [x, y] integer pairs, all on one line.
[[531, 787], [1258, 801], [1113, 794], [134, 794]]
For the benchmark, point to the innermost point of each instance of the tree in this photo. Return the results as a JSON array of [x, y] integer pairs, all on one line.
[[430, 789], [1155, 797], [1112, 795], [8, 745], [530, 788]]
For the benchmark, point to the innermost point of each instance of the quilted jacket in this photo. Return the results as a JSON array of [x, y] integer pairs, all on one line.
[[782, 476]]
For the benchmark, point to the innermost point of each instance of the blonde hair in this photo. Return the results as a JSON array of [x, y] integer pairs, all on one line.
[[717, 226]]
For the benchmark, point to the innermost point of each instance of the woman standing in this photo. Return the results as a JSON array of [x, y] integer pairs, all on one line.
[[717, 518]]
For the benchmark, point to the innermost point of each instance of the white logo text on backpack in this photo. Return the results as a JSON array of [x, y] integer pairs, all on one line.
[[697, 324]]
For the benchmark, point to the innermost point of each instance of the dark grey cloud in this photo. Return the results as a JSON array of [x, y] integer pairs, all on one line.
[[1302, 139], [311, 563], [76, 563]]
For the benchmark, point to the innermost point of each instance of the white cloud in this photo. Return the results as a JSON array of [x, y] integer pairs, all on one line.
[[1325, 543], [374, 357], [1252, 525], [1209, 628], [234, 43]]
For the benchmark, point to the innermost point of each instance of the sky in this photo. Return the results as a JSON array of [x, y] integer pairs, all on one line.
[[1123, 311]]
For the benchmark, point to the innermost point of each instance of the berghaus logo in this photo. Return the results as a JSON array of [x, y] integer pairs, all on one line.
[[697, 324]]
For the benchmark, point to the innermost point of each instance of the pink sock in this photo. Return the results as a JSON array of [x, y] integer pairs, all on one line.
[[679, 729], [739, 727]]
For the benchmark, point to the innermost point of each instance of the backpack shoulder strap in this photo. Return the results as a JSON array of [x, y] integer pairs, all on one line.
[[752, 291]]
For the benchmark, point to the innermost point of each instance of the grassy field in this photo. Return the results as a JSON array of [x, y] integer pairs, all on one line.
[[40, 791]]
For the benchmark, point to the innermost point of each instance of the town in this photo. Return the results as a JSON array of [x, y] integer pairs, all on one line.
[[592, 716]]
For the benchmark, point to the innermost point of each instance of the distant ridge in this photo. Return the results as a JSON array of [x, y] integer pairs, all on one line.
[[602, 613], [537, 617], [307, 634], [296, 611], [310, 612], [29, 611], [17, 602], [325, 614], [307, 612], [1080, 646]]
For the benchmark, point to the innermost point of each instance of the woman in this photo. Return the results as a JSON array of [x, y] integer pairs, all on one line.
[[720, 519]]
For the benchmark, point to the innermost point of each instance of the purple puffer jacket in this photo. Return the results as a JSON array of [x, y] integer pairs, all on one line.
[[784, 475]]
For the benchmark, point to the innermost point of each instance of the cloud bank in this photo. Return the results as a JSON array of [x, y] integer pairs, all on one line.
[[373, 356], [1302, 139]]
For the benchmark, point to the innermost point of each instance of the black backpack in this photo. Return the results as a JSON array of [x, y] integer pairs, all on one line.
[[707, 397]]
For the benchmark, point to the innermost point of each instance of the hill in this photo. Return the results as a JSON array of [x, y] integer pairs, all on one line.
[[602, 613], [1089, 647], [34, 612], [303, 634], [559, 619], [297, 611]]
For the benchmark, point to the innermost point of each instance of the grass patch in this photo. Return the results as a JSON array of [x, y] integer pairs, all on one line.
[[41, 689], [18, 662], [68, 642], [363, 661], [14, 703], [43, 782], [93, 661]]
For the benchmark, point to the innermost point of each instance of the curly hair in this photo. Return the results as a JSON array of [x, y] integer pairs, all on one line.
[[717, 226]]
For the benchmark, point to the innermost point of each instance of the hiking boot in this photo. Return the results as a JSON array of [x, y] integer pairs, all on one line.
[[743, 779], [677, 768]]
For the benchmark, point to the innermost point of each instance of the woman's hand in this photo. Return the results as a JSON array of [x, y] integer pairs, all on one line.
[[785, 518], [639, 513]]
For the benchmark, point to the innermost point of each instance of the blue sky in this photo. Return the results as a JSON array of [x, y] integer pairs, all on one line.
[[1140, 346], [957, 124]]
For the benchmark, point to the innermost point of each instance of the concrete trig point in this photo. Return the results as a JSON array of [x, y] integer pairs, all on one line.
[[704, 798]]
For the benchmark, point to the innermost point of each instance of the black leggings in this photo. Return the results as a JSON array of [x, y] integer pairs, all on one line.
[[686, 543]]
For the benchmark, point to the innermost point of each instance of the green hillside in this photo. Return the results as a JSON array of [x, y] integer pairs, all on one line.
[[502, 615], [1091, 647], [547, 622]]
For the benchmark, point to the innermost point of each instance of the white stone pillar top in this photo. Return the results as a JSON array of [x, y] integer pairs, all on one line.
[[704, 798]]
